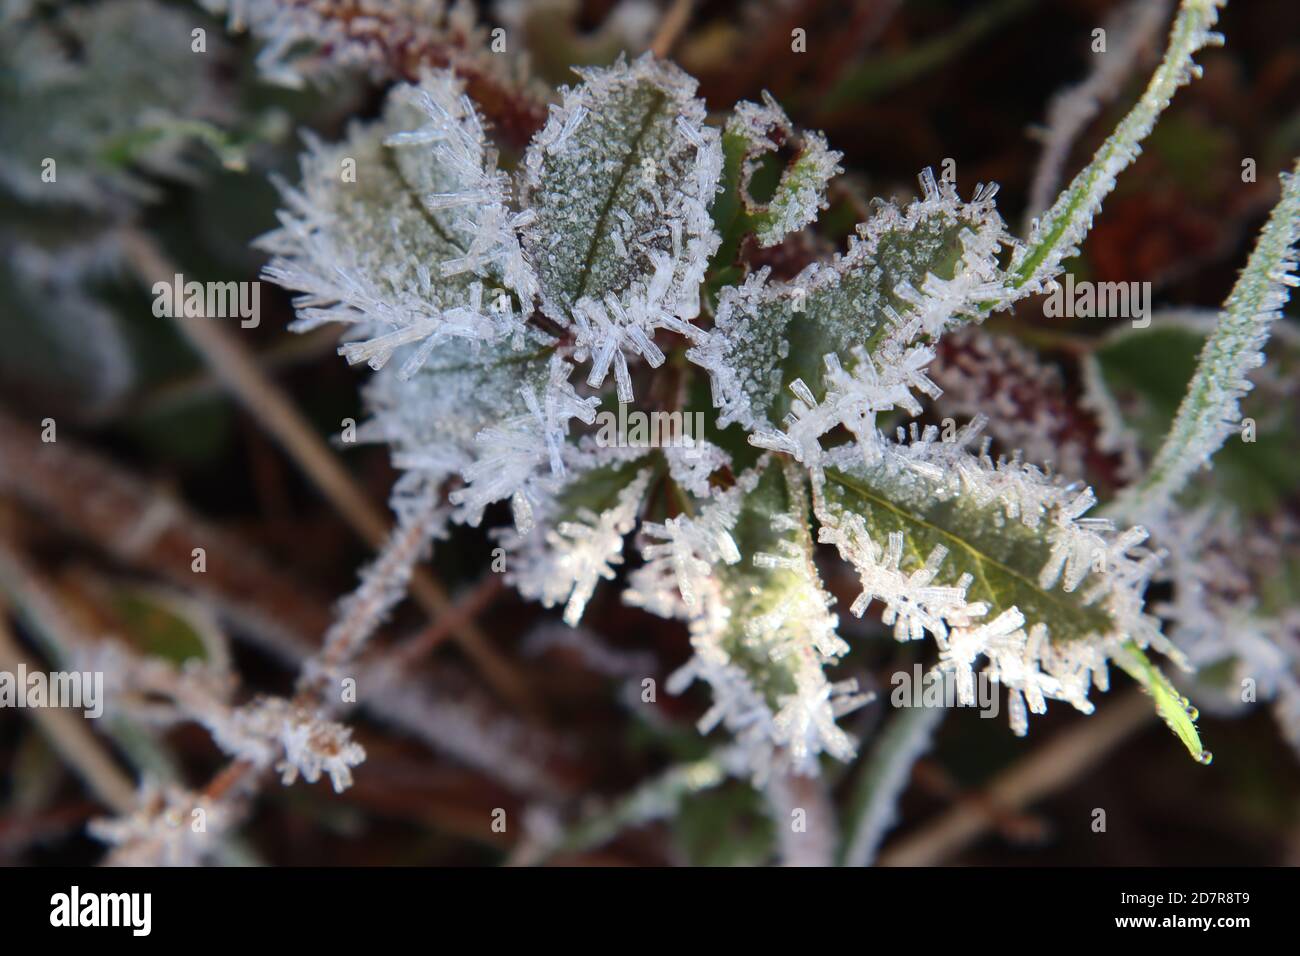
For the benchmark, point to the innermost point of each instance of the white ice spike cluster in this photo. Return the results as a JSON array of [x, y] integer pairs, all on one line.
[[757, 130], [1041, 592], [621, 179], [564, 559]]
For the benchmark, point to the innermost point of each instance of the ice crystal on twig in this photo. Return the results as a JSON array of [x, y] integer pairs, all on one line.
[[296, 740], [169, 827]]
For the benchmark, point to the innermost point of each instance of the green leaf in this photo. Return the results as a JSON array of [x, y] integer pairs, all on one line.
[[1174, 709], [620, 180], [769, 333], [1004, 558], [164, 627], [760, 623], [996, 561], [761, 193]]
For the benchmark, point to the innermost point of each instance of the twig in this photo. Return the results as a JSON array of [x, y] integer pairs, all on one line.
[[465, 609], [671, 27], [1052, 766], [99, 501], [274, 412], [71, 738]]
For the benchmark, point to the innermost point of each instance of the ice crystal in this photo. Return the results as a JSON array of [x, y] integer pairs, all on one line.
[[757, 130], [295, 739], [621, 179], [566, 559], [522, 457], [163, 829]]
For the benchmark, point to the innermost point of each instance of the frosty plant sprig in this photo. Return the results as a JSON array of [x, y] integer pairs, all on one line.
[[502, 308]]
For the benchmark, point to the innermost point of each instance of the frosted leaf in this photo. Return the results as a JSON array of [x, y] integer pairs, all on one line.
[[909, 272], [362, 244], [579, 539], [759, 620], [522, 457], [756, 130], [1055, 237], [995, 560], [621, 179], [128, 99], [449, 165], [1210, 411], [431, 420]]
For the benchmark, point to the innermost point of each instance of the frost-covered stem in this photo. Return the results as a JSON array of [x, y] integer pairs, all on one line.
[[656, 799], [1133, 27], [271, 408], [383, 585], [1066, 223], [1210, 411], [268, 729], [1048, 769], [804, 819], [883, 778]]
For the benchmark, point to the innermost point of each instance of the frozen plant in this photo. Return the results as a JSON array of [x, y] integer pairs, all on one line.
[[500, 306]]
